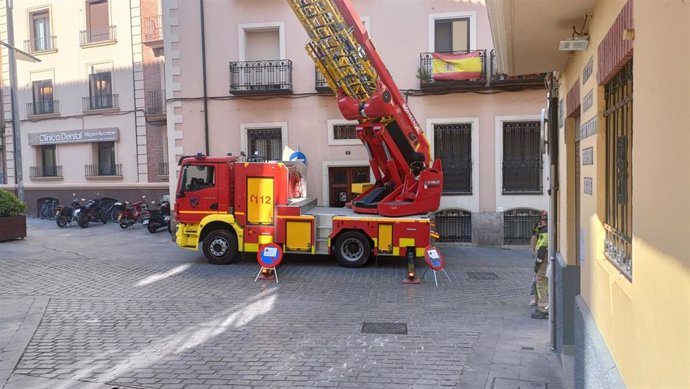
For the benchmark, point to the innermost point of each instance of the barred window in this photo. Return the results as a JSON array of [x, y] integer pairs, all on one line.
[[522, 164], [453, 225], [453, 145], [518, 225], [265, 142], [344, 131], [618, 117]]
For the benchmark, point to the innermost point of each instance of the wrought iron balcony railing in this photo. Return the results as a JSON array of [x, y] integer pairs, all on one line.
[[162, 168], [522, 177], [45, 171], [38, 45], [45, 107], [103, 170], [155, 102], [97, 102], [97, 35], [458, 68], [497, 79], [261, 77], [320, 83], [153, 28]]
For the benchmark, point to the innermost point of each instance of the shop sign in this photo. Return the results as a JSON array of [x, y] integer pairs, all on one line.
[[75, 136]]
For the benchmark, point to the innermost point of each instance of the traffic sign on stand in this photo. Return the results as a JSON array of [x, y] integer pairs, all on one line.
[[434, 259], [269, 257]]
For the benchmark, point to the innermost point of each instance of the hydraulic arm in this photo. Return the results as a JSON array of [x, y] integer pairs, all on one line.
[[407, 181]]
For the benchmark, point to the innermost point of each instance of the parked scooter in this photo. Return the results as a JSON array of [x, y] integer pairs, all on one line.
[[66, 215], [158, 218], [91, 212], [131, 213]]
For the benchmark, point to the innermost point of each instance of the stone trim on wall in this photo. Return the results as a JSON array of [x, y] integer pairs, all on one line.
[[572, 100]]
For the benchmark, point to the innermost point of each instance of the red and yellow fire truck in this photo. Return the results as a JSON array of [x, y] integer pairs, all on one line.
[[230, 205]]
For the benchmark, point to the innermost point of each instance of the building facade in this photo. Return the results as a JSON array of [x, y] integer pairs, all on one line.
[[92, 111], [620, 249], [240, 81]]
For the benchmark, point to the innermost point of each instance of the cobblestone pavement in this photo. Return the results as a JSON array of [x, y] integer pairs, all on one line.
[[128, 309]]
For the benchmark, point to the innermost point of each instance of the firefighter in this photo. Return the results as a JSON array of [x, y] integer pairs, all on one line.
[[540, 248]]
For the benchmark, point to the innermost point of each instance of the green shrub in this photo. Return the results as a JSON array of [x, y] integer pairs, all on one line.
[[10, 204]]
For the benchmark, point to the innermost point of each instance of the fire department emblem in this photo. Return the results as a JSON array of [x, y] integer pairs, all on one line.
[[194, 202]]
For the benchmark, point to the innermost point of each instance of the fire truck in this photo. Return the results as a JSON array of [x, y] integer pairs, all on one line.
[[231, 204]]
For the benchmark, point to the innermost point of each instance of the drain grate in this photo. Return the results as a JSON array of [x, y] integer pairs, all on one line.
[[385, 328], [482, 275]]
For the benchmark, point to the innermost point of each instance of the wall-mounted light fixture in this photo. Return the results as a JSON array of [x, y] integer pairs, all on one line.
[[579, 41]]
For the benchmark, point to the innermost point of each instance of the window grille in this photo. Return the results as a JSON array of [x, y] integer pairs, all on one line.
[[454, 225], [453, 145], [518, 225], [618, 117], [265, 142], [522, 164], [344, 131]]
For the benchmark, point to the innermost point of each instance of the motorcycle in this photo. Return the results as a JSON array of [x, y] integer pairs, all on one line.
[[158, 218], [91, 212], [131, 213], [66, 215]]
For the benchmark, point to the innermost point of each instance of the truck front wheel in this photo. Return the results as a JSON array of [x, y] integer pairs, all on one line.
[[352, 249], [220, 247]]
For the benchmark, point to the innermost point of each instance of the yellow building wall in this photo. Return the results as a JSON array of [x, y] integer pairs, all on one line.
[[645, 322]]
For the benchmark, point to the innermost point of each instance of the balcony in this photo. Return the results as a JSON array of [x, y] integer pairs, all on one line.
[[467, 71], [271, 77], [98, 36], [153, 32], [155, 106], [40, 45], [43, 109], [100, 103], [48, 172], [103, 170], [320, 83], [459, 70], [524, 80]]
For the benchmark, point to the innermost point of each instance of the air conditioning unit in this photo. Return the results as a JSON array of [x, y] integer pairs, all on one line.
[[574, 44]]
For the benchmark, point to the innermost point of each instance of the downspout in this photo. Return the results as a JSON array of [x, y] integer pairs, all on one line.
[[203, 74], [554, 194]]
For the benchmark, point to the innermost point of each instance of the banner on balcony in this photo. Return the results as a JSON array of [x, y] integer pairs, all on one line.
[[466, 66]]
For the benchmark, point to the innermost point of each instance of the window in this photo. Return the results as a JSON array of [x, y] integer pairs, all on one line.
[[40, 31], [618, 116], [97, 21], [100, 91], [48, 161], [518, 225], [451, 35], [453, 225], [342, 133], [106, 159], [266, 143], [453, 145], [43, 97], [198, 177], [522, 164]]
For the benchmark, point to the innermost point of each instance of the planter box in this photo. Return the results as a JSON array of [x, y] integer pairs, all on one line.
[[12, 227]]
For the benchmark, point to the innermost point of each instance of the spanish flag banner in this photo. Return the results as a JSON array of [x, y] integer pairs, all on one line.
[[466, 66]]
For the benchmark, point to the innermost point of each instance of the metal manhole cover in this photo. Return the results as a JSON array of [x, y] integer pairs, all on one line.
[[385, 328], [482, 275]]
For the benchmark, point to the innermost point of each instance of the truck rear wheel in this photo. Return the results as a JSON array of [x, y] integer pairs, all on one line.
[[352, 249], [220, 247]]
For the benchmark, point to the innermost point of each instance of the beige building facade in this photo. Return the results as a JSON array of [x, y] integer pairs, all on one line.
[[91, 112], [239, 81], [620, 213]]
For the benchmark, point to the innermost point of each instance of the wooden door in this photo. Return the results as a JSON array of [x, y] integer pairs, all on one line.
[[340, 180]]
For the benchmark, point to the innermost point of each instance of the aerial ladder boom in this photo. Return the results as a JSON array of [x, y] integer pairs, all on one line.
[[407, 181]]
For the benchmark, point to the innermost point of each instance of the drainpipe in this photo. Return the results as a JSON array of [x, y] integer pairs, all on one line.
[[203, 74], [14, 87], [553, 196]]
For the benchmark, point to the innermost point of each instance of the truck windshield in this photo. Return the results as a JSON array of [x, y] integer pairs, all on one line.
[[197, 177]]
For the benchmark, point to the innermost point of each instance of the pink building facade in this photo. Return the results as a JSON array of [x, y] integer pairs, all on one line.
[[262, 95]]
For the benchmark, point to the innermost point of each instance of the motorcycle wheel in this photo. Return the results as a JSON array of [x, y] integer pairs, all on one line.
[[61, 221], [83, 220], [152, 227], [124, 224]]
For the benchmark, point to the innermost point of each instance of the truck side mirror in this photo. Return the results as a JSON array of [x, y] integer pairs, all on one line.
[[179, 195]]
